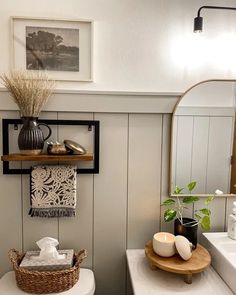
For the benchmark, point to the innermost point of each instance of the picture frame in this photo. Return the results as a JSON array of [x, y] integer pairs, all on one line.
[[62, 47]]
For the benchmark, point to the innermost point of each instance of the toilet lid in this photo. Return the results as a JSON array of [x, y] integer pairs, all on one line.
[[85, 285]]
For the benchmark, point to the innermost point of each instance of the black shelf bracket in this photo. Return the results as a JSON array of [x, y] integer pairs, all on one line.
[[15, 122]]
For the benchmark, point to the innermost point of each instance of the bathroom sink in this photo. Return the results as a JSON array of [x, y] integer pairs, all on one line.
[[229, 247], [223, 253]]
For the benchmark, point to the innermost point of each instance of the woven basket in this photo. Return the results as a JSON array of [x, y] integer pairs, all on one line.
[[41, 282]]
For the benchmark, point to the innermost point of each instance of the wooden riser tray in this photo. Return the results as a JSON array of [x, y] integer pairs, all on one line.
[[199, 261]]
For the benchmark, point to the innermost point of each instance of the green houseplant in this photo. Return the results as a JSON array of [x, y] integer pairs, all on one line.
[[187, 226], [178, 205]]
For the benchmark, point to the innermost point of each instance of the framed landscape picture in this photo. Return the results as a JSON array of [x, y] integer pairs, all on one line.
[[63, 48]]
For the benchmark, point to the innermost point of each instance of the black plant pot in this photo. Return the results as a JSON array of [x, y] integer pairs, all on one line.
[[188, 229]]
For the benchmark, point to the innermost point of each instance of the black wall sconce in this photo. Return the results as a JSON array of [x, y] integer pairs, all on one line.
[[198, 21]]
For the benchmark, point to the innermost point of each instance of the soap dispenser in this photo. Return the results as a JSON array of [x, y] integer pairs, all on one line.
[[232, 223]]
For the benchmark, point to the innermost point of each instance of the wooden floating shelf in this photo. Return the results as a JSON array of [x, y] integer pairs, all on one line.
[[47, 158]]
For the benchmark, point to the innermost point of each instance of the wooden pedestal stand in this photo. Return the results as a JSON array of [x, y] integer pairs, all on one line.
[[199, 261]]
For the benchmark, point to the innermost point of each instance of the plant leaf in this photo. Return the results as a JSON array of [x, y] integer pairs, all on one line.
[[169, 215], [191, 185], [178, 190], [190, 199], [205, 211], [168, 202], [209, 199], [198, 216], [205, 223]]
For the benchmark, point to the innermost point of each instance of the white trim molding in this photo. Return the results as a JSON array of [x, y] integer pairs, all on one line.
[[205, 111], [102, 101]]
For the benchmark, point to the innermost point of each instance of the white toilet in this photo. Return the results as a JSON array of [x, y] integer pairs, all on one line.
[[85, 285]]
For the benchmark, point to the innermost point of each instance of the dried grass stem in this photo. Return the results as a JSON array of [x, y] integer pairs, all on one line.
[[30, 91]]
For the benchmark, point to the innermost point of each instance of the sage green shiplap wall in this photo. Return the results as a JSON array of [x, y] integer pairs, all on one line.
[[118, 208]]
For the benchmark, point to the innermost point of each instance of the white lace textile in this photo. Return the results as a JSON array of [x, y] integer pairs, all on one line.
[[53, 191]]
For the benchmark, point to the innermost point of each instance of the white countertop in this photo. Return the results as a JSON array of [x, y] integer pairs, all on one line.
[[148, 282]]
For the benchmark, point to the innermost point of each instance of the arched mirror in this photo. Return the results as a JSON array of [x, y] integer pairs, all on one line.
[[203, 138]]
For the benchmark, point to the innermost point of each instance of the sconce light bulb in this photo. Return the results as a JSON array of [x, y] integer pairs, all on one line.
[[198, 22]]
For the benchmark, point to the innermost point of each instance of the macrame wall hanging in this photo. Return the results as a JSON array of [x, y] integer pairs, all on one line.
[[53, 191]]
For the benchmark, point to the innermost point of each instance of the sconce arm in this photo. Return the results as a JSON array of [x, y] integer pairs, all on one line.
[[214, 7]]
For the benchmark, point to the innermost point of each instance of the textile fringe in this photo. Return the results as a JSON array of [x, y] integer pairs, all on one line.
[[52, 212]]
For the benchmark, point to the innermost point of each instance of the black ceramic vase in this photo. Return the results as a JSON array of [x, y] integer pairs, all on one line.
[[31, 138], [188, 229]]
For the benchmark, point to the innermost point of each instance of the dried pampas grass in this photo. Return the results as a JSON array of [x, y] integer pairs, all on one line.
[[29, 90]]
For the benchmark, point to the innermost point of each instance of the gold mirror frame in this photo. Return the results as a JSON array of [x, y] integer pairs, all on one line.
[[172, 131]]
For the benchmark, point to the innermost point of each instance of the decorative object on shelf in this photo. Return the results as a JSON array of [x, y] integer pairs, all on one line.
[[57, 148], [31, 138], [48, 258], [183, 247], [30, 92], [75, 147], [61, 47], [164, 244], [44, 282], [93, 156], [187, 226], [53, 191]]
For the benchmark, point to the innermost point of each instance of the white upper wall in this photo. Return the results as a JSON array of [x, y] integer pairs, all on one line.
[[141, 45]]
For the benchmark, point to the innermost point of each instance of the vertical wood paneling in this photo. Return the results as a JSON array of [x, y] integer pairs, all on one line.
[[13, 140], [219, 154], [110, 206], [165, 181], [35, 228], [10, 209], [77, 232], [184, 151], [217, 208], [144, 178], [199, 153], [120, 207], [183, 160], [173, 151]]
